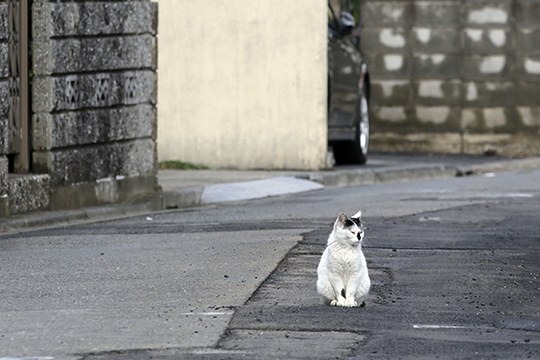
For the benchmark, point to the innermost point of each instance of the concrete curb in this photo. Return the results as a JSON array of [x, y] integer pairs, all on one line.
[[355, 177], [498, 166], [47, 218], [195, 195]]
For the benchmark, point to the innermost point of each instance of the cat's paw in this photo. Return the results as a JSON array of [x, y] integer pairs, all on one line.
[[333, 302], [347, 303]]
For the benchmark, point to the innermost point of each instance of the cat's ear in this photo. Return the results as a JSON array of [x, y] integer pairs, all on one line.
[[341, 220], [358, 215]]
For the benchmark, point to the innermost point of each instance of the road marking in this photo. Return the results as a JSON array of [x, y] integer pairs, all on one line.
[[29, 358], [432, 326], [219, 352], [209, 313], [429, 218]]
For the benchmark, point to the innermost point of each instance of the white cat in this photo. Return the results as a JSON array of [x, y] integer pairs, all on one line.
[[342, 273]]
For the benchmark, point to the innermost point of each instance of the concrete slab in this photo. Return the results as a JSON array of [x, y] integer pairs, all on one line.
[[154, 291], [257, 189]]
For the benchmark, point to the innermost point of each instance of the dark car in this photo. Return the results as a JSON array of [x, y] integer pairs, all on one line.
[[348, 90]]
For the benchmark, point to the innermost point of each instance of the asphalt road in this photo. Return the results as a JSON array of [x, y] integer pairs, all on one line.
[[454, 265]]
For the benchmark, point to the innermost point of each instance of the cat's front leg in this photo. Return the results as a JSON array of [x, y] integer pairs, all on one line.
[[362, 290], [357, 289], [339, 291]]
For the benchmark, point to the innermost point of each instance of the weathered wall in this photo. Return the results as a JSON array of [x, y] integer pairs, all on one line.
[[93, 99], [4, 98], [242, 83], [454, 76]]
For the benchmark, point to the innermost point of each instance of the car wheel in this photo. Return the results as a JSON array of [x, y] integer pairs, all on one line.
[[355, 152]]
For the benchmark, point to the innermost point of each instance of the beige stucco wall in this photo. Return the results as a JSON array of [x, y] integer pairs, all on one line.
[[242, 83]]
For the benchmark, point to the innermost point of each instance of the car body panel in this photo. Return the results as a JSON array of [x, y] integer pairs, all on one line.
[[346, 74]]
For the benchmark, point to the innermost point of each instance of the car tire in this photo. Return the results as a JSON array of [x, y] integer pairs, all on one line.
[[355, 152]]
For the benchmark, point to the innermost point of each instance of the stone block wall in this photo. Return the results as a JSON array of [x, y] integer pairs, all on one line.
[[93, 105], [453, 75], [94, 99], [4, 99]]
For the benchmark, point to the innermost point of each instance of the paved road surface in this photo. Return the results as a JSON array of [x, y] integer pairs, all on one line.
[[454, 263]]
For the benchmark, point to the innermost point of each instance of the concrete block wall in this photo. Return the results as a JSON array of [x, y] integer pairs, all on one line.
[[454, 76], [94, 99]]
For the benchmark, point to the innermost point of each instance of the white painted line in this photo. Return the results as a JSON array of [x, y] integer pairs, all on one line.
[[209, 313], [432, 326], [429, 218], [29, 358], [219, 352]]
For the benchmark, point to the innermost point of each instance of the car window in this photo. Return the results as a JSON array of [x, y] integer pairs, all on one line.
[[332, 19]]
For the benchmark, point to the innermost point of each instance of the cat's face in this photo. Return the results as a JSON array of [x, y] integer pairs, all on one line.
[[349, 229]]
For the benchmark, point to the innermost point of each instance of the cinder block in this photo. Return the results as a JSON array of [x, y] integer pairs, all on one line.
[[3, 174], [4, 198], [80, 164], [471, 119], [388, 115], [528, 67], [487, 40], [4, 62], [384, 39], [527, 40], [526, 92], [4, 98], [437, 92], [486, 67], [530, 117], [441, 118], [435, 40], [488, 93], [4, 104], [389, 66], [527, 12], [494, 118], [28, 192], [94, 18], [480, 119], [437, 13], [494, 12], [3, 135], [3, 21], [443, 66], [73, 92], [390, 92], [384, 13], [72, 128], [94, 54]]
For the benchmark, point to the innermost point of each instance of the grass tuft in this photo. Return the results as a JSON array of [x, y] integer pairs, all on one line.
[[180, 165]]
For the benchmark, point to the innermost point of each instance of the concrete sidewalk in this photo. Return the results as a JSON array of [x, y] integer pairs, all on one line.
[[186, 188], [189, 188]]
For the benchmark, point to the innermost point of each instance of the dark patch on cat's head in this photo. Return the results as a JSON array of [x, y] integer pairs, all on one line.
[[348, 221]]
